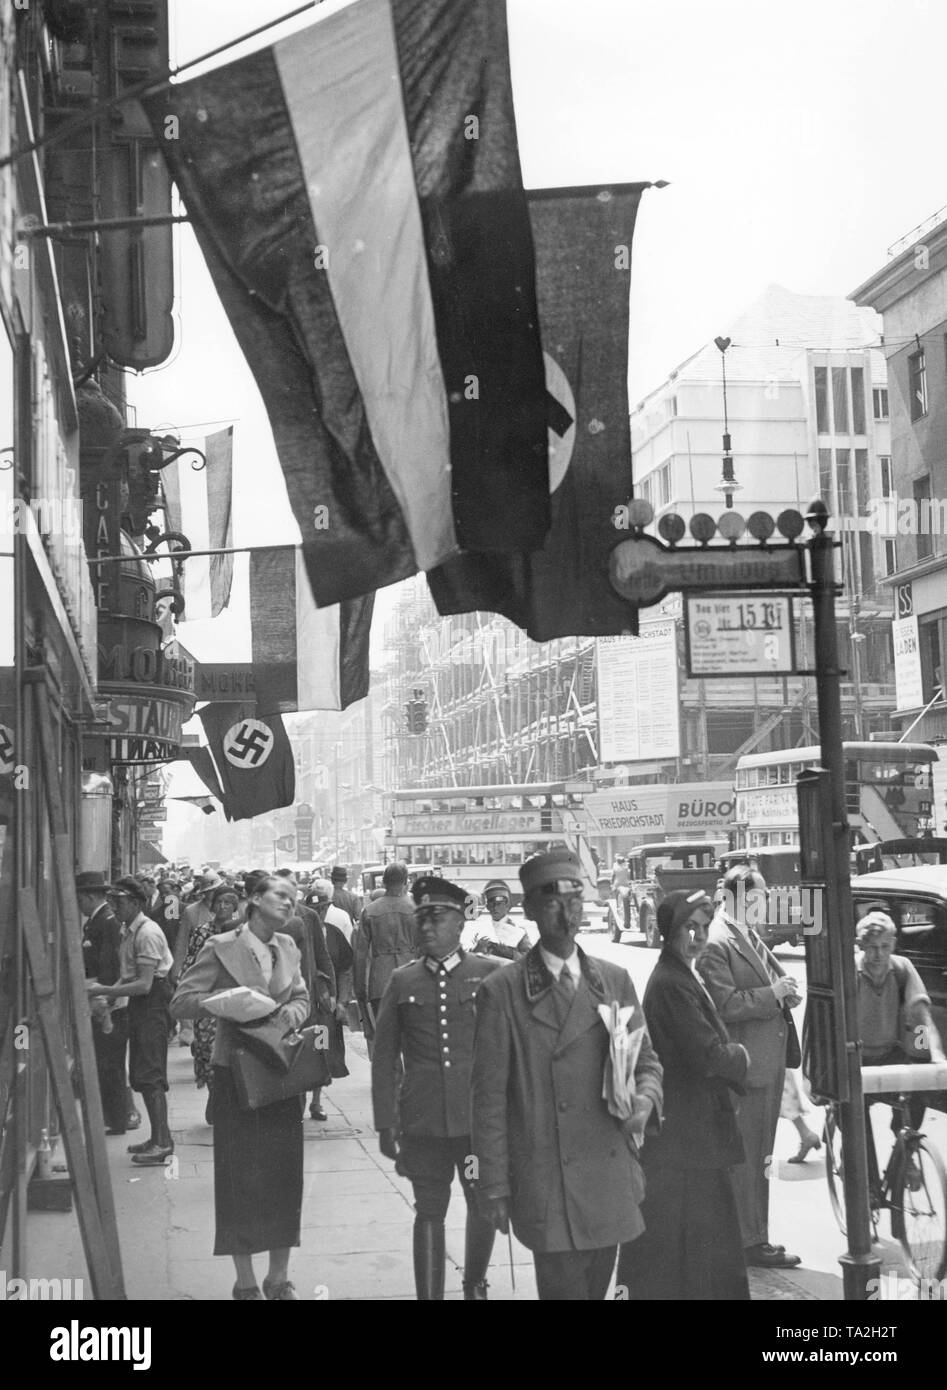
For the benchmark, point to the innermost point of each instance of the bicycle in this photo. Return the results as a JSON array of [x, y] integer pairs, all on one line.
[[913, 1189]]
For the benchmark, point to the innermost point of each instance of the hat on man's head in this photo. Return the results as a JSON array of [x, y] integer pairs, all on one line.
[[203, 883], [91, 881], [545, 868], [321, 887], [497, 888], [431, 890], [129, 887], [340, 873]]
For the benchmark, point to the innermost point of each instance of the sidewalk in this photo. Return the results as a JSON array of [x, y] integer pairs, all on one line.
[[357, 1215]]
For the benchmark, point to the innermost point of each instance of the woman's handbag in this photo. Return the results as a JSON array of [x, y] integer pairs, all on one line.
[[295, 1067]]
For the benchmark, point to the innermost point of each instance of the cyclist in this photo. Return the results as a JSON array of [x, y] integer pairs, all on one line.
[[891, 1001]]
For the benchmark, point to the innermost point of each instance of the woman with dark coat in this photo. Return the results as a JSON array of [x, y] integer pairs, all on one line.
[[258, 1154], [691, 1248]]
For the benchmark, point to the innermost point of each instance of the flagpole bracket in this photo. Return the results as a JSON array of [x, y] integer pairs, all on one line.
[[179, 453], [157, 538]]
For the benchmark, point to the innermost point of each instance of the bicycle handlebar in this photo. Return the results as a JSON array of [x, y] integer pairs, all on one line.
[[911, 1076]]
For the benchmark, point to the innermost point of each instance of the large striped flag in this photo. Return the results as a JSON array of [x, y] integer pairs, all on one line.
[[583, 242], [304, 657], [200, 506], [356, 191]]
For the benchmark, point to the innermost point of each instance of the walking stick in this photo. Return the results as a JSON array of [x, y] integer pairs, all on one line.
[[509, 1236]]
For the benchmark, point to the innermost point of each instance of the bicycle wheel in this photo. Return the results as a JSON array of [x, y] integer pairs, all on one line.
[[919, 1202], [834, 1173]]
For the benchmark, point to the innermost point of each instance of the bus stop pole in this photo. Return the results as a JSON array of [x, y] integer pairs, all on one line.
[[860, 1264]]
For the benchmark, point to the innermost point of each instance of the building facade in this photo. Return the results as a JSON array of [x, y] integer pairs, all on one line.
[[910, 292]]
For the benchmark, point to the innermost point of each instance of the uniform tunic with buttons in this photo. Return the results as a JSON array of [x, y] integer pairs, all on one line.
[[427, 1018]]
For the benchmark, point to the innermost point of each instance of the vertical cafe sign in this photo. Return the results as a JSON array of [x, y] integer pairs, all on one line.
[[638, 696]]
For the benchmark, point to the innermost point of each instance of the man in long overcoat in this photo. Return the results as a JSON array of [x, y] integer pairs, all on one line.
[[551, 1157]]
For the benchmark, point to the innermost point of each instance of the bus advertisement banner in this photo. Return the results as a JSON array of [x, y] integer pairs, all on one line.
[[686, 808]]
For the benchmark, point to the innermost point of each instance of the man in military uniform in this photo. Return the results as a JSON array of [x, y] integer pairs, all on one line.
[[427, 1018], [499, 935]]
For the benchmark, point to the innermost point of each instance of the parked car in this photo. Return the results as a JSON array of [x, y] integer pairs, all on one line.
[[910, 896], [661, 868], [779, 866], [898, 854]]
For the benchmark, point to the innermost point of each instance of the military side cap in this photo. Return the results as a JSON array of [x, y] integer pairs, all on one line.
[[495, 887], [433, 891], [547, 868]]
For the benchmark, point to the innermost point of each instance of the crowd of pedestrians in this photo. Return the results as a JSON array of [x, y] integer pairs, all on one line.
[[616, 1138]]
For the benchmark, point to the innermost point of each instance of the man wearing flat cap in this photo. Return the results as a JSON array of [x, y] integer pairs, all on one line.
[[426, 1022], [146, 961], [552, 1159]]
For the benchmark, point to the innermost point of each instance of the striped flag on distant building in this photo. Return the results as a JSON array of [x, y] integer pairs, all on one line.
[[304, 657], [356, 191], [200, 506], [583, 242]]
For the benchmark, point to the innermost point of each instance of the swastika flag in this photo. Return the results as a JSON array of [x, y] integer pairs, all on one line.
[[582, 239], [253, 757]]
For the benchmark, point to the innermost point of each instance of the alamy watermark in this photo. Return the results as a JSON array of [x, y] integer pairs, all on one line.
[[906, 516], [40, 1290], [791, 907], [53, 516]]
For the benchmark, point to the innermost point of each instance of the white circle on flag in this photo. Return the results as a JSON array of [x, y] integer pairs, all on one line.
[[7, 759], [248, 744], [561, 430]]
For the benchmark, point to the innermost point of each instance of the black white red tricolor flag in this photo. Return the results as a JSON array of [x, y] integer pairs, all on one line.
[[356, 191], [583, 242]]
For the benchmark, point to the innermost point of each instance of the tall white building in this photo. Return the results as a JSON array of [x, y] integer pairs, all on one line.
[[807, 412]]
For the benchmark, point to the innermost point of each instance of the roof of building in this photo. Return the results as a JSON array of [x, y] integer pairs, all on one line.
[[766, 335]]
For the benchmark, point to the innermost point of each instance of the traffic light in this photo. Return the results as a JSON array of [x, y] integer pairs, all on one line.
[[415, 715]]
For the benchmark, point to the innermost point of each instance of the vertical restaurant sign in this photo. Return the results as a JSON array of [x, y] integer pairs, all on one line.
[[638, 698], [908, 677]]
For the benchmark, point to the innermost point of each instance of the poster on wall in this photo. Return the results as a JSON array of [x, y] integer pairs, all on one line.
[[638, 699], [908, 678]]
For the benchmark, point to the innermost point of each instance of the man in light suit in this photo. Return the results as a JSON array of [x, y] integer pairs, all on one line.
[[753, 995], [552, 1159]]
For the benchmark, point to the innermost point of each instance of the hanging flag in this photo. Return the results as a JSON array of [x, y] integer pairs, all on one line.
[[583, 265], [203, 765], [253, 757], [356, 192], [304, 657], [200, 506], [204, 803]]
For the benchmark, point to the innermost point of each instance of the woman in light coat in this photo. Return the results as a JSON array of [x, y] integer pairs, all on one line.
[[258, 1154]]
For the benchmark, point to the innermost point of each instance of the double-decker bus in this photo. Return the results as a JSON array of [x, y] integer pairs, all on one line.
[[888, 793], [473, 834]]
